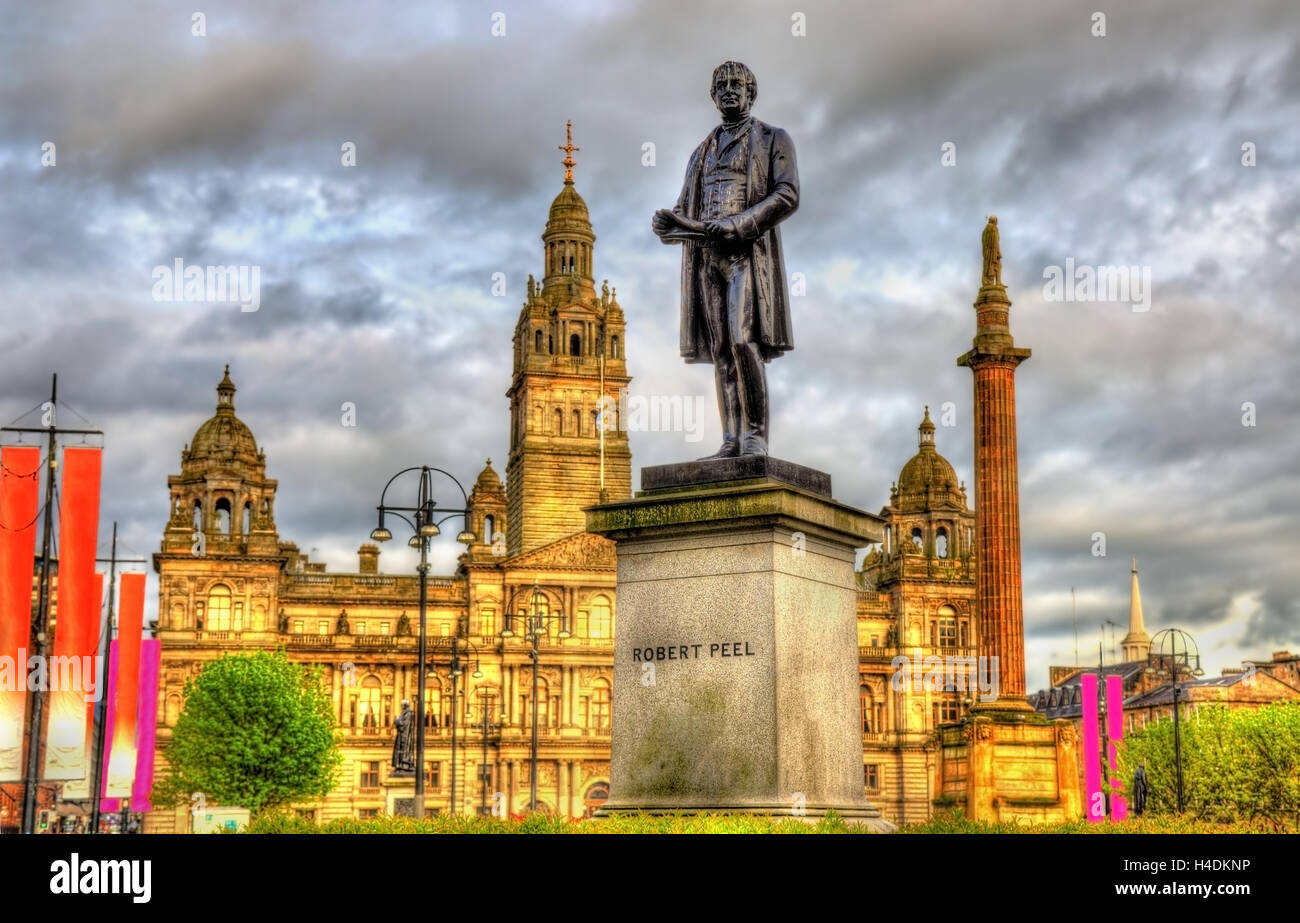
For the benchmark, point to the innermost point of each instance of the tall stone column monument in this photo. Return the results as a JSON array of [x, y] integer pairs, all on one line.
[[735, 652], [1004, 761]]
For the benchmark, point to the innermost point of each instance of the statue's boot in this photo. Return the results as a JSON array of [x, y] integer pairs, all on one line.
[[728, 410], [753, 398]]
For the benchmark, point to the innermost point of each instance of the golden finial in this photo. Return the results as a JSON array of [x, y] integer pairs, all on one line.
[[568, 148]]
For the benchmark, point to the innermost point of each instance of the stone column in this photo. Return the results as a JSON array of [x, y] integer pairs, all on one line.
[[993, 361]]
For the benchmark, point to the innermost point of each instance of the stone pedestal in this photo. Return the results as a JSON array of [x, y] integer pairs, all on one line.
[[399, 796], [735, 652], [1000, 766]]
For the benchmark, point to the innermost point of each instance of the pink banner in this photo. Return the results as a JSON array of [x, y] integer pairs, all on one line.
[[146, 724], [1114, 734], [19, 504], [1095, 805], [109, 805]]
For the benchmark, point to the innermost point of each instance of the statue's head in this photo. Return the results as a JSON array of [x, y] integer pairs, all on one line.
[[733, 89], [406, 703]]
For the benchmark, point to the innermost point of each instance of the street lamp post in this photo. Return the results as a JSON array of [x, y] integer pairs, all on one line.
[[425, 528], [485, 707], [1172, 638], [456, 671], [535, 623]]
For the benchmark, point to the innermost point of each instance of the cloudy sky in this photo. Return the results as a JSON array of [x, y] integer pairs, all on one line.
[[1122, 149]]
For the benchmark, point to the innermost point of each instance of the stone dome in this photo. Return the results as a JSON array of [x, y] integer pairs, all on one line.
[[928, 479], [488, 479], [223, 436], [568, 212]]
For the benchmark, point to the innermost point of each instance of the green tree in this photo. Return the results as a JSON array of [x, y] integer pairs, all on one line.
[[256, 731], [1237, 763]]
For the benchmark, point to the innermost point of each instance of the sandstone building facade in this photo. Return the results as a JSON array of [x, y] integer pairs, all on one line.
[[229, 582]]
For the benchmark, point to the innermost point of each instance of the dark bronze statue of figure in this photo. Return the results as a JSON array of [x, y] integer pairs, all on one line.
[[1140, 789], [741, 182], [404, 742]]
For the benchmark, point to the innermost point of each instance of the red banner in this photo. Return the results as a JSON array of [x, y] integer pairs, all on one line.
[[77, 625], [121, 766], [79, 789], [19, 504]]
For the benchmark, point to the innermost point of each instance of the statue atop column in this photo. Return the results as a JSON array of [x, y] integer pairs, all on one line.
[[741, 182], [992, 253]]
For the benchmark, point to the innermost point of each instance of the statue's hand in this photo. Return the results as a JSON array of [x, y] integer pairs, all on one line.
[[724, 230], [663, 222]]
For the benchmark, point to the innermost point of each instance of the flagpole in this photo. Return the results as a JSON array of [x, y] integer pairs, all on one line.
[[97, 768], [42, 625]]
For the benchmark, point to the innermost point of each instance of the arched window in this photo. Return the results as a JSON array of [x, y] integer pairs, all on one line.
[[941, 543], [223, 516], [537, 341], [559, 422], [918, 538], [596, 796], [613, 346], [198, 516], [550, 344], [575, 345], [173, 710], [489, 530], [246, 520], [219, 608], [577, 423], [947, 623], [365, 712]]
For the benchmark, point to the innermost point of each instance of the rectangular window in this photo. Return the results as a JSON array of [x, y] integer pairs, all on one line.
[[367, 813], [871, 776], [370, 775], [383, 628], [445, 629], [433, 778], [875, 640], [947, 710], [297, 626], [322, 627], [361, 628], [947, 632]]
